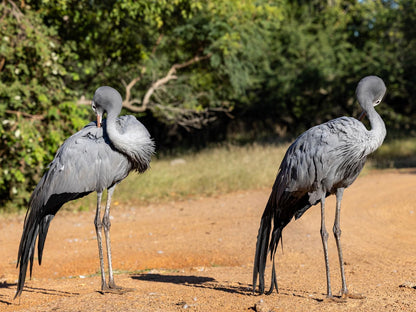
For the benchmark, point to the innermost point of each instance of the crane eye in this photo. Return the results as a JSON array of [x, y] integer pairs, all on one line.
[[377, 102], [93, 106]]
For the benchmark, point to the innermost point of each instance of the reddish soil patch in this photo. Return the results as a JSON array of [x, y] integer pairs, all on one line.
[[198, 255]]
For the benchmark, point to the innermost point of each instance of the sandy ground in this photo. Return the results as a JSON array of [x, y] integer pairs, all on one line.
[[197, 255]]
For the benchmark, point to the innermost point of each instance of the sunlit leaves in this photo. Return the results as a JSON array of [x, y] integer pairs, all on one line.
[[278, 64]]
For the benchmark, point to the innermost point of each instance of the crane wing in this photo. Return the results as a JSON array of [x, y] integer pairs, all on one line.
[[319, 161], [85, 162]]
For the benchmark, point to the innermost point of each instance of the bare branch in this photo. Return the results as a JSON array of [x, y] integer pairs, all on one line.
[[2, 61], [159, 39], [190, 118], [128, 89], [27, 115], [15, 10], [170, 76], [193, 60], [187, 118], [224, 110], [136, 109], [127, 103], [156, 85]]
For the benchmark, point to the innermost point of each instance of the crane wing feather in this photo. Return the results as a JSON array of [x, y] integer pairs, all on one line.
[[72, 174]]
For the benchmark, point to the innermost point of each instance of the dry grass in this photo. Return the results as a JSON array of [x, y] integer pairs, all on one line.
[[208, 172], [398, 153], [225, 169]]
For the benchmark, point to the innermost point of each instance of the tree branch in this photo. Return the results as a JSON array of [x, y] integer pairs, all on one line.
[[128, 103], [2, 61], [136, 109], [171, 76], [27, 115], [15, 10], [191, 118], [159, 39]]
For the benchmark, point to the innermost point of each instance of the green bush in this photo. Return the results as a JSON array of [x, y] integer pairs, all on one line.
[[279, 67], [35, 117]]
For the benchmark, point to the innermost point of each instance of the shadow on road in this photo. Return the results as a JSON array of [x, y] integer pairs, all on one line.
[[52, 292], [173, 279], [196, 281], [34, 290], [6, 285]]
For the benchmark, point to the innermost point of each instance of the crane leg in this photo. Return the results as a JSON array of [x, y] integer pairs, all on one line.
[[337, 234], [98, 228], [107, 225], [324, 236]]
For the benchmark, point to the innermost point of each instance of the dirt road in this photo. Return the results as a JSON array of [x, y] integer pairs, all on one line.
[[197, 255]]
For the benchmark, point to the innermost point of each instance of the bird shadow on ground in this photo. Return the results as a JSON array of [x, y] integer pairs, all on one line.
[[301, 294], [33, 290], [173, 279], [5, 302], [318, 297], [287, 292], [196, 281], [229, 287], [51, 292], [6, 285]]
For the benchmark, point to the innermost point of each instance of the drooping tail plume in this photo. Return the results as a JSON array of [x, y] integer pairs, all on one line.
[[36, 226], [263, 246], [33, 227]]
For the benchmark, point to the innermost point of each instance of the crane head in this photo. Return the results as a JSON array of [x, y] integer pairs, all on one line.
[[370, 92], [106, 99]]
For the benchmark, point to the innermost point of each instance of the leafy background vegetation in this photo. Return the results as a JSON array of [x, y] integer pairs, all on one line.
[[197, 72]]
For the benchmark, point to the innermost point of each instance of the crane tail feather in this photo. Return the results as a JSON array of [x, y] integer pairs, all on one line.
[[43, 231], [36, 226], [31, 231], [26, 250], [265, 244], [261, 252], [274, 280]]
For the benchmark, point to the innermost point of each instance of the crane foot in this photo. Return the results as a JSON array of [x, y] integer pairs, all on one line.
[[114, 289], [334, 299]]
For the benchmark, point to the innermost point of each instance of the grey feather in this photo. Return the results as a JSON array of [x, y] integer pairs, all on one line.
[[320, 161], [88, 161]]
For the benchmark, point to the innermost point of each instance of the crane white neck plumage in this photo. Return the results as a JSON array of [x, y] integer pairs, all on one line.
[[126, 133]]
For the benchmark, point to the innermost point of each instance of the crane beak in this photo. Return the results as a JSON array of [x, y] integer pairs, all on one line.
[[362, 116], [98, 121]]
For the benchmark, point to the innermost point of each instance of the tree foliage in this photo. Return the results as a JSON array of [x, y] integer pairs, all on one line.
[[35, 114], [186, 66]]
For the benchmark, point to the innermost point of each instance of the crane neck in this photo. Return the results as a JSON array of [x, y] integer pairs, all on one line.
[[129, 137], [113, 132], [378, 129]]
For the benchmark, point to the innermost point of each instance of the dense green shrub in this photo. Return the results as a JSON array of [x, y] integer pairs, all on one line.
[[186, 66], [35, 116]]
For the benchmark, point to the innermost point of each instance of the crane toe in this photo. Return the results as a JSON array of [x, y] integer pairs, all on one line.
[[115, 289]]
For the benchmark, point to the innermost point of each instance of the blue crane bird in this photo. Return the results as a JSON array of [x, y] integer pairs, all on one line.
[[322, 161], [96, 158]]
